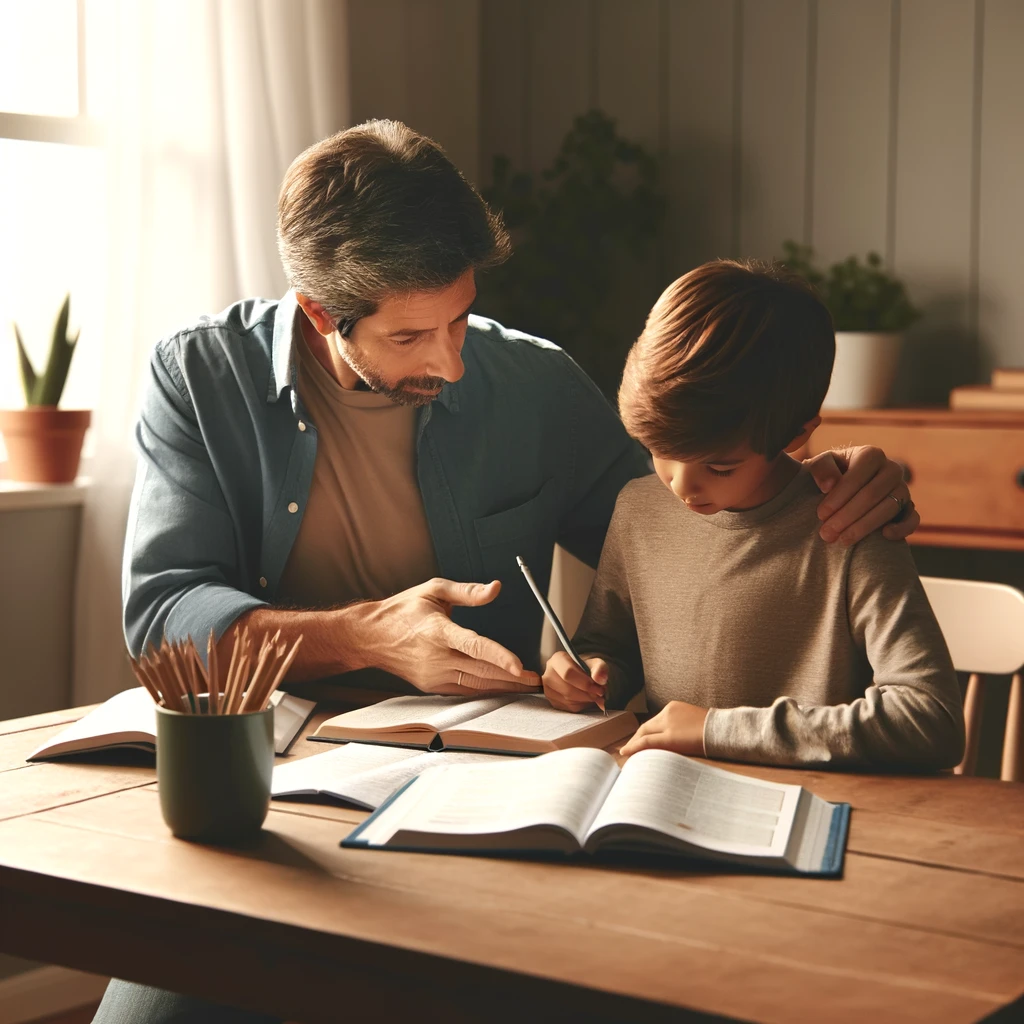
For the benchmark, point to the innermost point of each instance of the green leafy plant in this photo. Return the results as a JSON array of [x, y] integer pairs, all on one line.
[[860, 296], [46, 388], [582, 230]]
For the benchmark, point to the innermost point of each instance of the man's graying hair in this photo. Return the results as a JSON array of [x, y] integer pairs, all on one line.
[[377, 210]]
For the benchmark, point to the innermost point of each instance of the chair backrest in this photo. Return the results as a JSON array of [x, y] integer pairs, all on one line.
[[983, 623]]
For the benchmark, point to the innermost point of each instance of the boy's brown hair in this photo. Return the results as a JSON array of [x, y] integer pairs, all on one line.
[[377, 210], [732, 352]]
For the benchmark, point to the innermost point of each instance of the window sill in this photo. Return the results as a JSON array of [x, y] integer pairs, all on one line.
[[16, 496]]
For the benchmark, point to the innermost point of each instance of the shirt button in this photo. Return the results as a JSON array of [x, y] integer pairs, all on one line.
[[263, 581], [302, 426], [292, 507]]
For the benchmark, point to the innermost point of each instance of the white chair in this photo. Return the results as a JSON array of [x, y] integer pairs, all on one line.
[[983, 624]]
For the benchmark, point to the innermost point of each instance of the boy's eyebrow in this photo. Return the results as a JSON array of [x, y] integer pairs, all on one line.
[[720, 462]]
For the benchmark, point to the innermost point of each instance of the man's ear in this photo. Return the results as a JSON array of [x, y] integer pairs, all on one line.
[[805, 434], [317, 315]]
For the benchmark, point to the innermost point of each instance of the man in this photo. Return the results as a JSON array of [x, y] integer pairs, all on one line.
[[362, 461]]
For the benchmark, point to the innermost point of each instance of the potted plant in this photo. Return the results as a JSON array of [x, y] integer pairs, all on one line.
[[44, 443], [870, 311], [585, 232]]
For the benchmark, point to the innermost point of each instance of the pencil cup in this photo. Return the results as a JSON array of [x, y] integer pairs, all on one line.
[[213, 773]]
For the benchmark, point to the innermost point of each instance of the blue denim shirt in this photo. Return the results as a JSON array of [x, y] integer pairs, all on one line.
[[522, 452]]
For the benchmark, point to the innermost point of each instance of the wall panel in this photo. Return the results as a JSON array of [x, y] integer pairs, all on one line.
[[504, 84], [1001, 194], [702, 158], [931, 239], [420, 63], [627, 73], [561, 49], [773, 125], [851, 128]]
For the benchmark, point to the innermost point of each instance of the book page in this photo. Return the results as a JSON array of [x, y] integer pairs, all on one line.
[[696, 803], [130, 713], [290, 715], [436, 712], [129, 717], [363, 773], [563, 788], [532, 717]]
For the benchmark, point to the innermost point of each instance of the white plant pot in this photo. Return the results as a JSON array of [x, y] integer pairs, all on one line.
[[864, 369]]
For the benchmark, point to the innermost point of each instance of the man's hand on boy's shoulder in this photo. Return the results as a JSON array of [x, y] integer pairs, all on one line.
[[678, 726], [864, 491]]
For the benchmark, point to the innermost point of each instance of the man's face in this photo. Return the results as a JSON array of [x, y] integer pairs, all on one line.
[[412, 346], [736, 479]]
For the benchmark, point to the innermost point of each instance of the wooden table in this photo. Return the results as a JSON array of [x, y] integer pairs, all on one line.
[[927, 924]]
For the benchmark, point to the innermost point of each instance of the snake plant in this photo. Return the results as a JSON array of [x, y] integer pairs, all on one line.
[[45, 388]]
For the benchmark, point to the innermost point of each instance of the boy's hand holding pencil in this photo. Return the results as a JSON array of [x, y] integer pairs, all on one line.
[[175, 676], [570, 689]]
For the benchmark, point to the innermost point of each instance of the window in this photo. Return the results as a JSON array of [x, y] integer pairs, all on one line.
[[54, 67]]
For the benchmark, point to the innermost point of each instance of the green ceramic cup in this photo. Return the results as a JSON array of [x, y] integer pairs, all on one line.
[[213, 773]]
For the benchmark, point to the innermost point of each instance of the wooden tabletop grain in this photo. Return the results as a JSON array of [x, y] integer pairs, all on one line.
[[926, 925]]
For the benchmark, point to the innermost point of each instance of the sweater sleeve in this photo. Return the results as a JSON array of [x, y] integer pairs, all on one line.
[[911, 716], [607, 629]]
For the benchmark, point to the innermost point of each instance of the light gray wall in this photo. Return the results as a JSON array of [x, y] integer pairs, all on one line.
[[893, 125]]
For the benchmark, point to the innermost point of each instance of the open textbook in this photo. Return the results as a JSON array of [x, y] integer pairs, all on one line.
[[128, 719], [363, 774], [580, 801], [519, 724]]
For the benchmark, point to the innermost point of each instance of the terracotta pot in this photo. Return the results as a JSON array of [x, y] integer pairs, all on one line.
[[44, 443]]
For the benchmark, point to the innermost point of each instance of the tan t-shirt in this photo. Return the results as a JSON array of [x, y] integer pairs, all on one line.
[[364, 534]]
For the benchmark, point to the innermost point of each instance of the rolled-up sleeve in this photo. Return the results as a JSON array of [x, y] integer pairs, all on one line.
[[181, 559]]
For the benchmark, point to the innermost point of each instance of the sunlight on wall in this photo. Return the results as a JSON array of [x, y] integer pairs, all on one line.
[[53, 227]]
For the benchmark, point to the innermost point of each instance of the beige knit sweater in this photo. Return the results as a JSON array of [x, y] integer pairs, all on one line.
[[807, 653]]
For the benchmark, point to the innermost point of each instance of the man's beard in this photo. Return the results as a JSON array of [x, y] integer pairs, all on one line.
[[407, 391]]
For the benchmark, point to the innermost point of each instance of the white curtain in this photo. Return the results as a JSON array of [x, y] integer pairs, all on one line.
[[213, 99]]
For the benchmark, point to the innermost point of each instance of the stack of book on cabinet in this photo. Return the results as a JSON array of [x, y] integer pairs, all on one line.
[[1006, 392]]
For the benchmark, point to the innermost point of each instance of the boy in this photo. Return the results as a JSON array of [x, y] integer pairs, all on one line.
[[755, 641]]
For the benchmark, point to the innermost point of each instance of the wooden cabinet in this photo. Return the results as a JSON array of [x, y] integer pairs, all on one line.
[[965, 470]]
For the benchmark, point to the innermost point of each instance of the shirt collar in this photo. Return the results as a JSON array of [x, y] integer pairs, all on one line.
[[285, 326], [284, 375]]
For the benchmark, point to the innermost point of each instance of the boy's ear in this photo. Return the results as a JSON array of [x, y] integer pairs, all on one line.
[[805, 434]]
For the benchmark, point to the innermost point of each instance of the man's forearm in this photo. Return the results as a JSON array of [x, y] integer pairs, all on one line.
[[330, 643]]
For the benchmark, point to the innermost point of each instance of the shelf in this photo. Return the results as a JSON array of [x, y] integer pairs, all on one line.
[[16, 496]]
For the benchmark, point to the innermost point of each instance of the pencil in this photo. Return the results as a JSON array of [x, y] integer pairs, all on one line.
[[214, 676], [201, 676], [263, 668], [281, 672], [144, 680]]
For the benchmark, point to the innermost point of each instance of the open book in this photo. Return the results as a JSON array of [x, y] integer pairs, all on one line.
[[363, 774], [520, 724], [128, 719], [580, 801]]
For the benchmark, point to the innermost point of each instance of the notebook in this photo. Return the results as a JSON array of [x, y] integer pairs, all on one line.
[[128, 720], [363, 774], [520, 724], [579, 802]]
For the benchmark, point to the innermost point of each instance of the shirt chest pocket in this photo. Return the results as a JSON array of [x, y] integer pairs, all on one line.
[[529, 529]]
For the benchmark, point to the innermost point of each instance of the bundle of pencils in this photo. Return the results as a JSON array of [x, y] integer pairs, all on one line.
[[175, 675]]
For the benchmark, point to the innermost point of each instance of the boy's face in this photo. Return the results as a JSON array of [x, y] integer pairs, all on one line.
[[735, 479]]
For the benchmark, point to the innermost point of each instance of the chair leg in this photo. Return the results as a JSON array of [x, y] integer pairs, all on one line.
[[1013, 739], [973, 704]]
